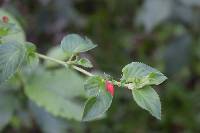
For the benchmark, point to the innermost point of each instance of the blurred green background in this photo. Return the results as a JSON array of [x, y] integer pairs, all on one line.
[[164, 34]]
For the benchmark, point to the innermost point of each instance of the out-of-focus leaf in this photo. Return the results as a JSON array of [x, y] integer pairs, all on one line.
[[22, 117], [177, 54], [29, 68], [184, 13], [153, 13], [31, 48], [191, 2], [31, 62], [47, 122], [13, 84], [30, 54], [7, 106], [7, 28], [84, 62], [57, 53], [12, 55], [19, 36], [148, 99], [57, 91]]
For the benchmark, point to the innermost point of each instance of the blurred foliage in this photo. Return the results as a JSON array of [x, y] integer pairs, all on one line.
[[162, 33]]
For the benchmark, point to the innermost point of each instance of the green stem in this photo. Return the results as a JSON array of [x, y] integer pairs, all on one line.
[[82, 70], [119, 84], [52, 59], [71, 57], [75, 67], [64, 64]]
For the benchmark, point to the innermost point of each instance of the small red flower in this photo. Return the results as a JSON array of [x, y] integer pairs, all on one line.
[[110, 87], [5, 19]]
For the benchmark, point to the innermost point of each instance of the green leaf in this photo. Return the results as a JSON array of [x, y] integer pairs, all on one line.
[[47, 122], [17, 34], [84, 62], [31, 48], [148, 99], [99, 101], [57, 92], [96, 106], [12, 55], [13, 84], [140, 75], [57, 53], [31, 61], [73, 44], [30, 54], [7, 106], [191, 2], [7, 28], [153, 13], [93, 85]]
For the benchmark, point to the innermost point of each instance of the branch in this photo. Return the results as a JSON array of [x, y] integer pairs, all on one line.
[[64, 64]]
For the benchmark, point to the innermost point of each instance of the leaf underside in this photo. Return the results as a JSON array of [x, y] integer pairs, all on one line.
[[56, 92], [73, 44], [96, 106], [12, 55], [100, 100]]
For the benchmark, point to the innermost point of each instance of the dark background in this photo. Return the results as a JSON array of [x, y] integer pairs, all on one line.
[[164, 34]]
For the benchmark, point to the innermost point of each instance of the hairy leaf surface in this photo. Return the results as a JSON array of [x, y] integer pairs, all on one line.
[[73, 44], [148, 99], [140, 75], [57, 92], [12, 54]]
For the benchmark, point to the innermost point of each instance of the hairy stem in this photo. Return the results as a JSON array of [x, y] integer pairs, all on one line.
[[51, 59], [75, 67], [64, 64], [82, 70]]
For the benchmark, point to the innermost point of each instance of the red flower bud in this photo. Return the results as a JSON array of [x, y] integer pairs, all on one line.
[[110, 88], [5, 19]]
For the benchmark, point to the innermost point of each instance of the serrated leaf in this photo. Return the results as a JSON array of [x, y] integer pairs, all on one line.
[[96, 106], [148, 99], [57, 91], [84, 62], [12, 55], [93, 85], [99, 101], [20, 35], [73, 44], [140, 75], [7, 28]]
